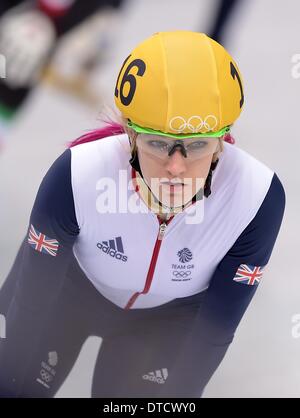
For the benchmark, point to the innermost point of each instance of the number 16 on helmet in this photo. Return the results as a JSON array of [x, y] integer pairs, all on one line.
[[180, 83]]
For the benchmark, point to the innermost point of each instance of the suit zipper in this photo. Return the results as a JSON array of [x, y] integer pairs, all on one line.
[[162, 229]]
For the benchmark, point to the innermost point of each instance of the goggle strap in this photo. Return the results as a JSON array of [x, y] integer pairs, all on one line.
[[140, 129]]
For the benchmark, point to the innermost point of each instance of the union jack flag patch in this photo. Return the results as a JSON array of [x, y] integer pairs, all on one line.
[[248, 274], [40, 242]]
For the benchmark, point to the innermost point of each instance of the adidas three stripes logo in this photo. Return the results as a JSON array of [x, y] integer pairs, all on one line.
[[114, 248], [159, 376]]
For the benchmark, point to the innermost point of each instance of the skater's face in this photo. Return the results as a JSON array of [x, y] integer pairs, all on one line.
[[174, 179]]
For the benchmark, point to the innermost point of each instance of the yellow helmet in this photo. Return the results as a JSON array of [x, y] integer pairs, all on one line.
[[181, 84]]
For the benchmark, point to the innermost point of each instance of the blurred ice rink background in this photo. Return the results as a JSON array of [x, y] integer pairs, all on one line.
[[263, 36]]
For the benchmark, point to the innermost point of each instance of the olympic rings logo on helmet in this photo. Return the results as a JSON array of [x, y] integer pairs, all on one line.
[[181, 273], [195, 123]]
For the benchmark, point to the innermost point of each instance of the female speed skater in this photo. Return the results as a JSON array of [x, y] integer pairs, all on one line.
[[152, 233]]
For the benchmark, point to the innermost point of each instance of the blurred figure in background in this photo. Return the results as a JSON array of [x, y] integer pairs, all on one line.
[[223, 15], [29, 31]]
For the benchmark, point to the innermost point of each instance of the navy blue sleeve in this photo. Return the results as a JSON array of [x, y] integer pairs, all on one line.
[[232, 288], [52, 231], [237, 276], [40, 273]]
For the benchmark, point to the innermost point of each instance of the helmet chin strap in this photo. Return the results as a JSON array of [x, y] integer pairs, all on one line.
[[158, 205]]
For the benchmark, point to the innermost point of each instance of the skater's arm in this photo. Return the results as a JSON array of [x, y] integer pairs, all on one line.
[[51, 233], [230, 293], [228, 296]]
